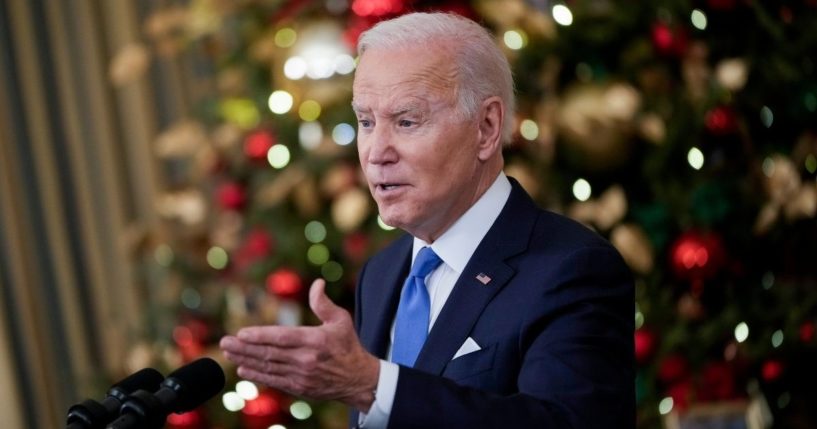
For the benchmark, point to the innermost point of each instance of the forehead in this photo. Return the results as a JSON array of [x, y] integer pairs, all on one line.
[[387, 76]]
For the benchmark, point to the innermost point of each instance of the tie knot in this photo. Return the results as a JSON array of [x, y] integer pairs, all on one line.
[[425, 262]]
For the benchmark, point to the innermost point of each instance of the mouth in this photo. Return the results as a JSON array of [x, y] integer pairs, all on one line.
[[388, 186]]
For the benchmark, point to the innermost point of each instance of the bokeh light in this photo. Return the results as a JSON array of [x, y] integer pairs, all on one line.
[[300, 410], [315, 232], [529, 130], [280, 102], [285, 37], [278, 156], [343, 134], [217, 258], [582, 190], [309, 110], [310, 135], [562, 15], [698, 19], [695, 158]]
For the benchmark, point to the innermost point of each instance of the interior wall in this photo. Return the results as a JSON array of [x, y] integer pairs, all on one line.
[[78, 185]]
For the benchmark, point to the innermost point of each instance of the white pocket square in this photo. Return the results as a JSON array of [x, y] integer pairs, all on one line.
[[469, 346]]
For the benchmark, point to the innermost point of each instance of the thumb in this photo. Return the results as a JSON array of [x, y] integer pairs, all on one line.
[[321, 305]]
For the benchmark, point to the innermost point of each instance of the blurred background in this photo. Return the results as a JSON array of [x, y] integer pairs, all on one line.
[[173, 170]]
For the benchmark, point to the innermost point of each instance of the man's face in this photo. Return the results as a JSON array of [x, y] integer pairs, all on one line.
[[418, 153]]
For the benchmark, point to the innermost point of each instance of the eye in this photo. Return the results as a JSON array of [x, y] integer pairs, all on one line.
[[405, 123], [364, 123]]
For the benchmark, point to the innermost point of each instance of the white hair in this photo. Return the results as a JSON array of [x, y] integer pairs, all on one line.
[[483, 70]]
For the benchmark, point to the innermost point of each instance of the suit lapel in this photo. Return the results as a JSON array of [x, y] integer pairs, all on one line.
[[508, 237]]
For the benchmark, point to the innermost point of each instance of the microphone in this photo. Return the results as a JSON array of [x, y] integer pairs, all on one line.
[[183, 390], [91, 414]]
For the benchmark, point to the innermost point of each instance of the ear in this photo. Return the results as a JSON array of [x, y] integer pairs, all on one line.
[[491, 118]]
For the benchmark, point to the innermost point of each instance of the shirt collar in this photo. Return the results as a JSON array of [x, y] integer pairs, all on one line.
[[459, 242]]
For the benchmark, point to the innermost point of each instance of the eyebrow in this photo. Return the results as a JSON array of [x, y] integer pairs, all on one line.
[[396, 111]]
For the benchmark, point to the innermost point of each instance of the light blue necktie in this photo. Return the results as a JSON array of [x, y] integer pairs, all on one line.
[[411, 324]]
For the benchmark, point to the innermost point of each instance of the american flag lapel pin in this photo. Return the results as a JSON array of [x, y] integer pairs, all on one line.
[[483, 278]]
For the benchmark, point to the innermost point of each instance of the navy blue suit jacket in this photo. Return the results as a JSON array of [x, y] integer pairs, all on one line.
[[555, 324]]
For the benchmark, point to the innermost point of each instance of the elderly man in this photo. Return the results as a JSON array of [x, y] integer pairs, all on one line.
[[492, 313]]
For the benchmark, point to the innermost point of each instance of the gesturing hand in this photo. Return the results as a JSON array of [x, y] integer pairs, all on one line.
[[318, 362]]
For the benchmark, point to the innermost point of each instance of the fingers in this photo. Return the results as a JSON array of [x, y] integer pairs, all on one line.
[[280, 336], [322, 306]]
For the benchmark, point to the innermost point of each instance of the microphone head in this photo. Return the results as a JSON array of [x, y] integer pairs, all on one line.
[[195, 383], [144, 379]]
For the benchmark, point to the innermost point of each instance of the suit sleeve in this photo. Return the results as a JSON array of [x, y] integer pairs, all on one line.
[[576, 351]]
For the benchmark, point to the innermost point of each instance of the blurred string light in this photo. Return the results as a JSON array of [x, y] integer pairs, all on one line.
[[309, 110], [562, 15], [300, 410], [280, 102], [343, 134], [695, 158], [639, 317], [766, 116], [232, 401], [383, 225], [811, 163], [665, 406], [217, 258], [310, 135], [278, 156], [515, 39], [698, 19], [767, 280], [768, 167], [163, 255], [277, 427], [777, 338], [241, 112], [247, 390], [315, 232], [319, 53], [783, 400], [191, 298], [529, 130], [582, 190], [317, 254], [332, 271], [285, 37], [741, 332]]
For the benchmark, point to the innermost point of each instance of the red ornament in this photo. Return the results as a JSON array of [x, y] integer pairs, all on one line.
[[772, 370], [673, 368], [681, 394], [285, 283], [263, 411], [257, 144], [377, 7], [645, 344], [721, 120], [807, 332], [721, 4], [717, 382], [189, 420], [697, 256], [355, 246], [190, 338], [671, 42], [231, 196]]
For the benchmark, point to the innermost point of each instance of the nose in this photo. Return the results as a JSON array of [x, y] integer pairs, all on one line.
[[381, 148]]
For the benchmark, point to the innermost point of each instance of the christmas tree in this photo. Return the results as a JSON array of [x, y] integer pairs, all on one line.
[[684, 132]]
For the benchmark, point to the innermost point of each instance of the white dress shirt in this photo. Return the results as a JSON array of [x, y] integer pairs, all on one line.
[[455, 247]]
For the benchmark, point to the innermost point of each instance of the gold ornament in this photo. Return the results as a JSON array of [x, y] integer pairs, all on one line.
[[187, 206], [634, 246], [732, 73], [603, 212], [183, 139], [653, 128], [129, 64], [597, 121], [274, 192], [350, 209]]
